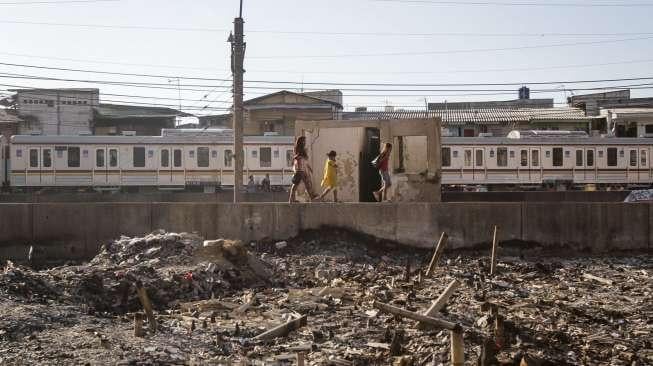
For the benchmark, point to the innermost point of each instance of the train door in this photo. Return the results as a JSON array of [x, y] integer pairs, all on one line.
[[590, 171], [100, 167], [632, 163], [370, 180], [479, 165], [165, 166], [178, 172], [114, 173], [47, 166], [33, 176], [536, 165]]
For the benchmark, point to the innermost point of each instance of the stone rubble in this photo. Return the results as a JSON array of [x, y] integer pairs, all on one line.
[[213, 297]]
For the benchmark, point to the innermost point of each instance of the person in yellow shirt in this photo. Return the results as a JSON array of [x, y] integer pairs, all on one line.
[[330, 179]]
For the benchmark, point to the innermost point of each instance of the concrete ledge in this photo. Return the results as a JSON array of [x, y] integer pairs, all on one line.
[[76, 230]]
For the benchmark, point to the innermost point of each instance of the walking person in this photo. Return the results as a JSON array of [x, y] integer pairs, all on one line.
[[302, 171], [381, 163], [330, 179]]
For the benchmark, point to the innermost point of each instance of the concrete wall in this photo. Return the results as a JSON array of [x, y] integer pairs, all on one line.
[[536, 196], [76, 230]]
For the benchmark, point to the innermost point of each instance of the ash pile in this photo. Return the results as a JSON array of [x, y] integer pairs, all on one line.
[[327, 298], [173, 267]]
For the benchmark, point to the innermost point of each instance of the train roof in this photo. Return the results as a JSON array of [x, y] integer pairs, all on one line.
[[144, 140], [546, 141]]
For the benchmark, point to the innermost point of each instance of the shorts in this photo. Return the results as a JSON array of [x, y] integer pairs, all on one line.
[[385, 178], [299, 177]]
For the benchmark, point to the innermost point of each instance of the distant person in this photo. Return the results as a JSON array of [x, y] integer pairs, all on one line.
[[381, 163], [302, 171], [251, 185], [265, 183], [330, 179]]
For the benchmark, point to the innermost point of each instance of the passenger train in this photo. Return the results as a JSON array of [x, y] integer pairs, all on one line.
[[181, 159]]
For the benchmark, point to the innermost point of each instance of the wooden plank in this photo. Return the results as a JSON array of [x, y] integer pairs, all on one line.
[[439, 323], [439, 249], [493, 265], [147, 305], [440, 302], [283, 329]]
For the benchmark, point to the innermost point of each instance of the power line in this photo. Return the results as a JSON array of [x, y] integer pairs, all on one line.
[[56, 2], [324, 33], [510, 3], [475, 50], [304, 82]]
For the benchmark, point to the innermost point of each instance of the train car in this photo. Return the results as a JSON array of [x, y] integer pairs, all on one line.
[[166, 162], [4, 162], [535, 161]]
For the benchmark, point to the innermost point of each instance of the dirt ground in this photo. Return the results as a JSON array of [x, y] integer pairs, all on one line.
[[552, 311]]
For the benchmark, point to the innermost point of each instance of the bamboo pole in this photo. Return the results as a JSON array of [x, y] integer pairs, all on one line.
[[457, 348], [386, 308], [493, 266], [438, 253], [440, 302]]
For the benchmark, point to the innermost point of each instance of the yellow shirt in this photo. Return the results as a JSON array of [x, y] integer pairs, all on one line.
[[330, 174]]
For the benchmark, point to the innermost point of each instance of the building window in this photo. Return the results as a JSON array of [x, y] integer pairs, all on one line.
[[557, 156], [535, 157], [266, 157], [579, 157], [165, 158], [47, 158], [50, 103], [139, 157], [612, 156], [228, 156], [73, 157], [633, 157], [524, 158], [33, 158], [176, 158], [502, 156], [468, 157], [479, 157], [203, 157], [99, 158], [446, 156], [290, 155], [590, 157], [113, 158], [643, 157]]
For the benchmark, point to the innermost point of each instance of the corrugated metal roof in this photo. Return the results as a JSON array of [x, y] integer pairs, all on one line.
[[117, 111], [7, 117], [484, 116]]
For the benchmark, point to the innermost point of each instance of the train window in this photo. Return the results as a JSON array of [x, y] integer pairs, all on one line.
[[600, 153], [228, 156], [59, 154], [139, 157], [276, 154], [579, 157], [33, 158], [491, 153], [621, 153], [455, 153], [567, 154], [214, 154], [512, 154], [289, 157], [202, 157], [502, 156], [643, 157], [165, 158], [590, 157], [446, 156], [266, 157], [19, 153], [191, 154], [524, 158], [648, 128], [73, 157], [468, 157], [99, 158], [557, 156], [612, 156], [47, 158], [479, 157], [254, 153], [535, 158], [113, 158], [176, 158], [85, 154], [633, 157]]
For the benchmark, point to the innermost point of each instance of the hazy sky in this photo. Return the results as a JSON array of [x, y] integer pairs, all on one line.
[[603, 42]]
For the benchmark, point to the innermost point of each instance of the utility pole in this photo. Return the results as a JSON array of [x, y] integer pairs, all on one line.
[[237, 57], [177, 119]]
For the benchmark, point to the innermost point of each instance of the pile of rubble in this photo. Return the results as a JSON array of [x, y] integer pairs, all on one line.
[[325, 298]]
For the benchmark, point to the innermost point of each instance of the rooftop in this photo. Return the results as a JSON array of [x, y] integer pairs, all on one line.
[[7, 116], [117, 111], [481, 116], [78, 90]]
